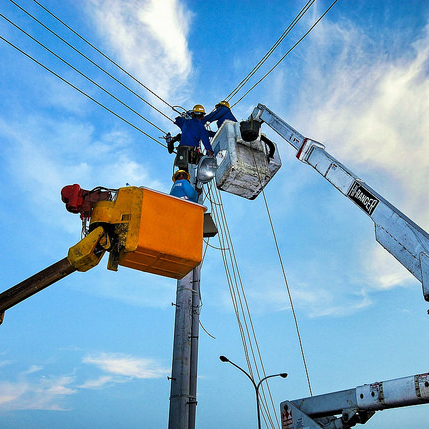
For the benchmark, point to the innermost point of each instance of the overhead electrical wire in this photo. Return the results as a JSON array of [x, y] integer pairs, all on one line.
[[287, 53], [289, 294], [104, 55], [232, 94], [93, 62], [284, 277], [239, 300], [82, 74], [271, 50], [80, 91], [231, 279], [228, 98], [199, 291], [231, 267]]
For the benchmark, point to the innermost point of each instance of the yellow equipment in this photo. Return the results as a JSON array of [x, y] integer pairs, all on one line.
[[154, 232], [141, 229]]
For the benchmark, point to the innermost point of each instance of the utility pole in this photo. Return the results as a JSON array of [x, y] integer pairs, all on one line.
[[183, 391]]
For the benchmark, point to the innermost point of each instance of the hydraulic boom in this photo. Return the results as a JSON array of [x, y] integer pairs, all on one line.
[[134, 226], [346, 408], [398, 234]]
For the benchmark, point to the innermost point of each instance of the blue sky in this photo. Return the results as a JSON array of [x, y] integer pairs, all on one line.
[[94, 350]]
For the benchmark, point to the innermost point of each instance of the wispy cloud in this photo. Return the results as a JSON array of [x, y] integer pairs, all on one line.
[[370, 107], [36, 389], [127, 366], [47, 156], [121, 368], [42, 393], [149, 38], [98, 383], [5, 363]]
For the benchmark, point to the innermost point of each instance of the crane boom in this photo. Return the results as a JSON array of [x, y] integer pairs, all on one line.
[[134, 227], [353, 406], [398, 234]]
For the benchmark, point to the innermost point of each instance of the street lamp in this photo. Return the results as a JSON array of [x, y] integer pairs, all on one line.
[[256, 386]]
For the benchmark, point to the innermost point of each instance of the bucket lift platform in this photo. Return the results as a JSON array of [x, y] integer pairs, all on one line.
[[155, 232], [246, 161], [140, 228]]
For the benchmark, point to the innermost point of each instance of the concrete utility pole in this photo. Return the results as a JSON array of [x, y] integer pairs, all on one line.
[[183, 392]]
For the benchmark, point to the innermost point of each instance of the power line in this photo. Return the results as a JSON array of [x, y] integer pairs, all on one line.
[[284, 277], [91, 61], [82, 74], [239, 300], [288, 291], [82, 92], [287, 53], [105, 56], [271, 50]]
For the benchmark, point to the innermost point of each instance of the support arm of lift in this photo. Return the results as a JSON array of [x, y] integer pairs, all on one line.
[[346, 408], [398, 234], [135, 227], [81, 257]]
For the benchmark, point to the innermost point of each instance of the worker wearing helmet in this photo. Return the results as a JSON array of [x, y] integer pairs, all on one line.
[[193, 130], [182, 188], [220, 113]]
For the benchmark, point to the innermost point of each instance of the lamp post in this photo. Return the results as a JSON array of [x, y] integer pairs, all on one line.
[[256, 386]]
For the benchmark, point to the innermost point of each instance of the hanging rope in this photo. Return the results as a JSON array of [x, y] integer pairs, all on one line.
[[284, 276], [288, 292]]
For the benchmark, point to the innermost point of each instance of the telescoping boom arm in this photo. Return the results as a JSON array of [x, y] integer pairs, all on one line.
[[398, 234], [346, 408], [83, 256]]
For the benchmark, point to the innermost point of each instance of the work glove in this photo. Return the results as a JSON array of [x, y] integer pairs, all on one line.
[[170, 145]]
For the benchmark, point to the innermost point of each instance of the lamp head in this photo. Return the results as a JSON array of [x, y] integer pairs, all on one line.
[[206, 169]]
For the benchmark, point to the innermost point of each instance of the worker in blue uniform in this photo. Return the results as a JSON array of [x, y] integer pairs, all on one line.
[[221, 113], [193, 132], [182, 188]]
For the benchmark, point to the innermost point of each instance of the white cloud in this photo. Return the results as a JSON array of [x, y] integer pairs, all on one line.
[[127, 366], [33, 369], [149, 38], [35, 389], [43, 393], [48, 155], [370, 110], [56, 386], [98, 383], [387, 271], [10, 392], [5, 363]]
